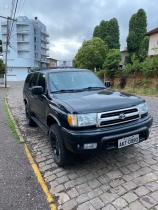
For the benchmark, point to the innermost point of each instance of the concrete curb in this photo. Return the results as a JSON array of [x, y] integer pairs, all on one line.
[[36, 170]]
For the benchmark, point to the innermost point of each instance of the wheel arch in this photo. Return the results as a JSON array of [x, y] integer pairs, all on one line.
[[51, 119]]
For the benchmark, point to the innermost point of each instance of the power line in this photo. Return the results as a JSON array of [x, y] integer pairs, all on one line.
[[20, 9], [21, 55], [19, 12], [13, 17], [11, 14]]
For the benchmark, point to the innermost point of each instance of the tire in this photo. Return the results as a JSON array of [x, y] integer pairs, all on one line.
[[62, 156], [30, 121]]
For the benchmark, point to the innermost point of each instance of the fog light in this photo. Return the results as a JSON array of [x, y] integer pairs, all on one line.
[[149, 129], [90, 146]]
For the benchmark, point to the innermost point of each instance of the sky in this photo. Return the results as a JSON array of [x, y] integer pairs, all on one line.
[[70, 22]]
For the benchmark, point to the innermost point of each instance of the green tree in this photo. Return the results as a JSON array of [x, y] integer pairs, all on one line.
[[96, 32], [91, 54], [114, 34], [143, 49], [137, 27], [108, 31], [2, 67], [111, 63], [103, 29], [74, 64], [112, 60]]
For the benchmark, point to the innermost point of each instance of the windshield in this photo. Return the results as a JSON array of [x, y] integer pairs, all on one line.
[[74, 80]]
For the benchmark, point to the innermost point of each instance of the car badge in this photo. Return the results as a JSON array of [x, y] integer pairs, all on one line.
[[122, 116]]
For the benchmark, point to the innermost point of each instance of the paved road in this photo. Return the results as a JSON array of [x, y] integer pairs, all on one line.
[[123, 179], [19, 189]]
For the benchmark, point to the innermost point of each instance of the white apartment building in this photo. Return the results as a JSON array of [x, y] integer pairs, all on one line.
[[65, 63], [28, 47]]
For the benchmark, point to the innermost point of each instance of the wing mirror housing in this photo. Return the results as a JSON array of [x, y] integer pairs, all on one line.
[[37, 90], [107, 83]]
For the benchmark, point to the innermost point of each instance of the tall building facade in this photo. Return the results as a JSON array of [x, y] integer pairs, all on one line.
[[28, 47]]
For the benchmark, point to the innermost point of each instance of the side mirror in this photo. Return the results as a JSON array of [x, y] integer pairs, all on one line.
[[107, 83], [37, 90]]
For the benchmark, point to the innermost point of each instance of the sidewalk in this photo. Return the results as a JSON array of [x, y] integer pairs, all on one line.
[[20, 189], [3, 85]]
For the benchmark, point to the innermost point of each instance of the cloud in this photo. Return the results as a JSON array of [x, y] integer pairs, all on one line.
[[70, 22]]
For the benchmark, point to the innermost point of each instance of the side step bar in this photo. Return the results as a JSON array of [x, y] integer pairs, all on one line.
[[41, 125]]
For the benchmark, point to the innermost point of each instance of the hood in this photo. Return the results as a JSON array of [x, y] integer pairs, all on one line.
[[98, 101]]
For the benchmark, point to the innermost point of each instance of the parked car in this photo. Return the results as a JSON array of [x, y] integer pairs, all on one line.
[[82, 115]]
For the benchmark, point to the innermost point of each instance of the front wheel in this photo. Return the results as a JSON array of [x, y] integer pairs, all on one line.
[[61, 155]]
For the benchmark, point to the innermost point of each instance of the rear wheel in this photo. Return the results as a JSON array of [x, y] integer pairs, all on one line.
[[30, 121], [62, 156]]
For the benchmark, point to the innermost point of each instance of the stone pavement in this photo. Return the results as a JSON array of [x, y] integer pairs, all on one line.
[[122, 179]]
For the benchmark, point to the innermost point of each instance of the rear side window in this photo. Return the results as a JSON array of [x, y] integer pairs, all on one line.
[[33, 81], [41, 81], [27, 81], [28, 78]]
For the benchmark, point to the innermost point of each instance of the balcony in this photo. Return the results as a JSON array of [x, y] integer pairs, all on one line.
[[4, 50], [4, 23], [23, 49], [44, 47], [45, 33], [45, 54], [4, 41], [22, 40], [22, 31], [45, 40], [4, 31], [44, 60], [22, 23]]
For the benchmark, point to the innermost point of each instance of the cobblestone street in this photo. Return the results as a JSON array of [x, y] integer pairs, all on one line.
[[122, 179]]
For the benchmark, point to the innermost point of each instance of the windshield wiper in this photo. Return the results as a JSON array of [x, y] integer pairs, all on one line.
[[93, 88], [64, 91], [78, 90]]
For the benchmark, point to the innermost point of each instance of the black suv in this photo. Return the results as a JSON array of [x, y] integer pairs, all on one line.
[[81, 115]]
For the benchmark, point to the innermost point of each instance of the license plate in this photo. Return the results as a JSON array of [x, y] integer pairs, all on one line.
[[128, 141]]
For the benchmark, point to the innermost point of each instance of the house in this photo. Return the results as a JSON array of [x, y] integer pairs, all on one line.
[[28, 47], [153, 42], [125, 55], [65, 63], [51, 62]]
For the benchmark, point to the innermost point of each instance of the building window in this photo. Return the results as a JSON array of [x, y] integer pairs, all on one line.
[[35, 31], [36, 47], [35, 39], [23, 37], [36, 55]]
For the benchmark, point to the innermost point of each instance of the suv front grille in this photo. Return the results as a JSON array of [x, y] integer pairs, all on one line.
[[118, 116]]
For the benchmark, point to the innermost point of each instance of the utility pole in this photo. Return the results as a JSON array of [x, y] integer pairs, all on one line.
[[7, 43], [6, 53]]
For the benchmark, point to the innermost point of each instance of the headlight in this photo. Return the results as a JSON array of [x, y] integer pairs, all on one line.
[[81, 120], [143, 109]]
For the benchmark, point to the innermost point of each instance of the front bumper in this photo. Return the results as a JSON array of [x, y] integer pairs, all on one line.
[[106, 138]]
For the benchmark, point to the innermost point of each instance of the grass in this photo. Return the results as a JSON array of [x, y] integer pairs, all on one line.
[[140, 91], [11, 124]]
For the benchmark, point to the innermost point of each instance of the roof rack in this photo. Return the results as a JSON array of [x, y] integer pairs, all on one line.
[[47, 68]]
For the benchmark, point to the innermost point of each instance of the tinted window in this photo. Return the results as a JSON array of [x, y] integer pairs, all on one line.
[[28, 78], [41, 81], [33, 80], [27, 81]]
